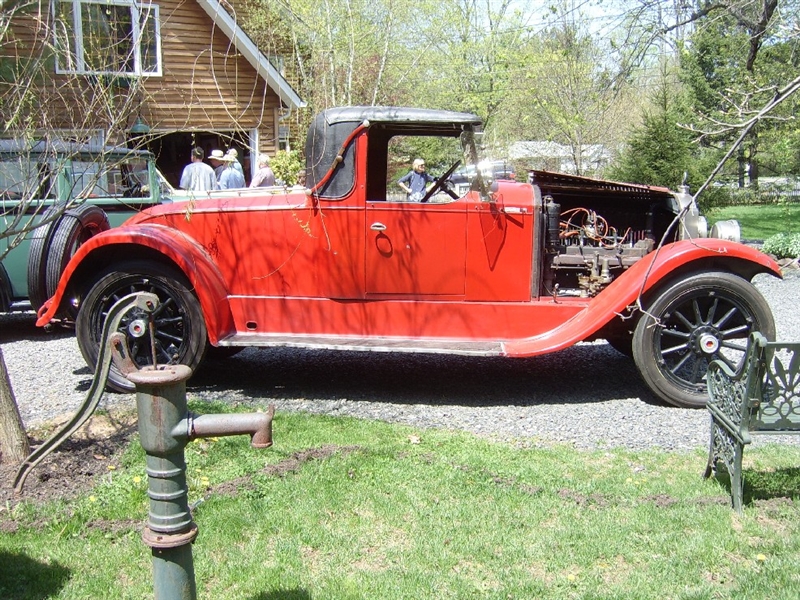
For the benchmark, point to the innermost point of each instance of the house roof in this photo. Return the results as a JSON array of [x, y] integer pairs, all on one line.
[[251, 53]]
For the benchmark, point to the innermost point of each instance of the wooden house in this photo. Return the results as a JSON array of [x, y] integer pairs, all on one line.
[[166, 74]]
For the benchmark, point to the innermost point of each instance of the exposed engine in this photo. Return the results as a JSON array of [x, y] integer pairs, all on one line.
[[585, 253], [594, 230]]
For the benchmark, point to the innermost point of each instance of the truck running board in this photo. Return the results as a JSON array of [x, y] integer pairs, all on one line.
[[372, 344]]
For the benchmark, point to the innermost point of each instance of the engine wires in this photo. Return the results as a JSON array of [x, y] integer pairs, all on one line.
[[586, 224]]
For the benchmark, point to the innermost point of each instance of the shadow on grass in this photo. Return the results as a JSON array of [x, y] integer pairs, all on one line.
[[780, 484], [768, 485], [24, 578], [281, 594]]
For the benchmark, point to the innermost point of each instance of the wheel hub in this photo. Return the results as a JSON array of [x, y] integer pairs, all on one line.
[[137, 328], [706, 340]]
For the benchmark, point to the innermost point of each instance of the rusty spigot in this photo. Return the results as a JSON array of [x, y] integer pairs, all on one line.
[[257, 425]]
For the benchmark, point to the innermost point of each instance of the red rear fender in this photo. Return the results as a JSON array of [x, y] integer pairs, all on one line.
[[163, 243], [662, 266]]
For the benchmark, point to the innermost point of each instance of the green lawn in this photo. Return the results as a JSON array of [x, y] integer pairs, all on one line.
[[380, 511], [758, 222]]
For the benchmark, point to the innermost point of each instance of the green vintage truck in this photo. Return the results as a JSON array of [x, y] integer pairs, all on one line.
[[56, 195]]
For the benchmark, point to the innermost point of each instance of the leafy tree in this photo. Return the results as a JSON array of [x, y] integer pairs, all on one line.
[[343, 51], [659, 150], [472, 49], [568, 93], [286, 166], [733, 66]]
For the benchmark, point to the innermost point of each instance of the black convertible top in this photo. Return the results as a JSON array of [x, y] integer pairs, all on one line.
[[331, 129], [397, 114]]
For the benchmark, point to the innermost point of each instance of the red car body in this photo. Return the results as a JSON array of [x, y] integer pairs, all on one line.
[[341, 265]]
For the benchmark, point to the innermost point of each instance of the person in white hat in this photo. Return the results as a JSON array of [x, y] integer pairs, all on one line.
[[215, 158], [230, 178]]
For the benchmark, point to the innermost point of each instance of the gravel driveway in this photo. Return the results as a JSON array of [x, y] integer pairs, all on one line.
[[588, 395]]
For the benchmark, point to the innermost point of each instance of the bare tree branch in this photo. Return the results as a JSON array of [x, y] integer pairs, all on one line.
[[746, 126]]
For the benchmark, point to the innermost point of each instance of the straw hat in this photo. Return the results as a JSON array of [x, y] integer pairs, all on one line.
[[217, 155]]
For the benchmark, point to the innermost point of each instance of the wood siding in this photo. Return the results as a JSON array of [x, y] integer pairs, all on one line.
[[206, 85]]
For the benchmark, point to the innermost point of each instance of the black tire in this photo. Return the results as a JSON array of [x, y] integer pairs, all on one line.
[[695, 320], [180, 336], [75, 227], [37, 259]]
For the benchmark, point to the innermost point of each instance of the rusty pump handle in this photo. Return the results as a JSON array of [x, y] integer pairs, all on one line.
[[111, 338]]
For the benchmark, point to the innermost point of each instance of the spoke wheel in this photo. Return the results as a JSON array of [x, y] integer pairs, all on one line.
[[179, 329], [700, 318]]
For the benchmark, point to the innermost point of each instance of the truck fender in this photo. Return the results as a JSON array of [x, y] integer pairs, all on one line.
[[175, 247], [657, 267]]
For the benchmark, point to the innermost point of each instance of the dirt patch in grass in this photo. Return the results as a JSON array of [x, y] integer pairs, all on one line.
[[73, 468], [661, 500], [591, 500], [284, 467]]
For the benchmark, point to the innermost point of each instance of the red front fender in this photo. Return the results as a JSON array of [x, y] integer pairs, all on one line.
[[655, 268], [184, 252]]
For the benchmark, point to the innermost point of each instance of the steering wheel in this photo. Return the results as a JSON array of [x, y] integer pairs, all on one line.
[[133, 191], [440, 184]]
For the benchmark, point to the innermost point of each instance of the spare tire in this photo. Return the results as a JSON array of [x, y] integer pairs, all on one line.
[[37, 259], [75, 227]]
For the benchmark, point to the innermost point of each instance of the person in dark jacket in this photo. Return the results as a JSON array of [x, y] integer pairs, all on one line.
[[415, 183]]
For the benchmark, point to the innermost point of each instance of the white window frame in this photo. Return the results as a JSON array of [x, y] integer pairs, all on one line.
[[65, 57]]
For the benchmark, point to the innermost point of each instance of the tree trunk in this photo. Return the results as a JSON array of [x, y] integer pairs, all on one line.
[[14, 446]]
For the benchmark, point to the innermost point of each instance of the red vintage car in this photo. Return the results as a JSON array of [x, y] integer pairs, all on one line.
[[508, 268]]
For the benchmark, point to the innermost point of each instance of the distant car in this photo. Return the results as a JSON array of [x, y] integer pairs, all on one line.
[[54, 196], [509, 268]]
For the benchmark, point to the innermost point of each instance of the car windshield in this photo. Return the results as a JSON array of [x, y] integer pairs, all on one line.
[[458, 159], [93, 179], [24, 178]]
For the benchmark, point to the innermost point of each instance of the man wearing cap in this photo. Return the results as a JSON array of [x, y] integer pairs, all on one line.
[[197, 176], [215, 158], [230, 178]]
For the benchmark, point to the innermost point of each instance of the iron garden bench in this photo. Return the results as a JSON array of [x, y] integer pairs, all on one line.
[[763, 397]]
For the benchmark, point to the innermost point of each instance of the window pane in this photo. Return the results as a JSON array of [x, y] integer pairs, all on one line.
[[65, 36], [23, 178], [107, 38], [86, 180], [149, 43]]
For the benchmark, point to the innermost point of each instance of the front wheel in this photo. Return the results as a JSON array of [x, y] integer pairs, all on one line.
[[180, 331], [698, 319]]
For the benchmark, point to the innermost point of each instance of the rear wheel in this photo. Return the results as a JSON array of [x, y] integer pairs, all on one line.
[[698, 319], [180, 331]]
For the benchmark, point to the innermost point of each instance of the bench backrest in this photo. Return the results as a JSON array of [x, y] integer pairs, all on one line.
[[765, 397]]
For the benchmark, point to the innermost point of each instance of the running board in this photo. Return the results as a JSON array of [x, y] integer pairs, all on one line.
[[379, 344]]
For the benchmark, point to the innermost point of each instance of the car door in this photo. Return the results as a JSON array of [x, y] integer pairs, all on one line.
[[415, 249]]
